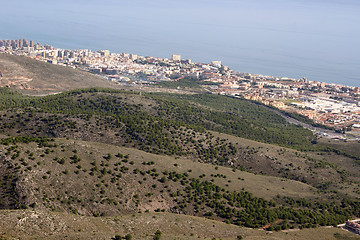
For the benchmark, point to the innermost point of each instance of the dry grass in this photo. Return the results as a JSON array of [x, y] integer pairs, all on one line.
[[325, 167], [27, 224], [44, 78], [352, 147]]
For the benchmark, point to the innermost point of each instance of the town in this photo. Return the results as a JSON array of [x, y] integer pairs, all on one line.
[[332, 105]]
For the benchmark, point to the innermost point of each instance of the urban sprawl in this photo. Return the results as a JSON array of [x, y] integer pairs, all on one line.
[[333, 105]]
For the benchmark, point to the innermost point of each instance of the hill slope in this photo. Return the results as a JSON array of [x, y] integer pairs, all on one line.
[[180, 128], [119, 153], [93, 179], [26, 224], [34, 77]]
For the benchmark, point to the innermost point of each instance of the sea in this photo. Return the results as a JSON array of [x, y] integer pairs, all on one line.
[[316, 39]]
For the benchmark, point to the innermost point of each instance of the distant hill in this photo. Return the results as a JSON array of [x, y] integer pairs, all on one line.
[[34, 77]]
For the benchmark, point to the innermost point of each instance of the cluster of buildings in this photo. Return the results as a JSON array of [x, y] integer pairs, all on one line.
[[330, 104], [353, 226], [123, 68], [21, 45]]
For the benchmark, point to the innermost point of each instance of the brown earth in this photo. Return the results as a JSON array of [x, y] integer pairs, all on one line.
[[26, 224], [33, 77]]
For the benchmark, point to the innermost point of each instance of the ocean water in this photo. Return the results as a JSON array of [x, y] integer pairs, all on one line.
[[317, 39]]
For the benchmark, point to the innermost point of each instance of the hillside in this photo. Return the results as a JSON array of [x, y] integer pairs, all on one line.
[[170, 111], [33, 77], [184, 128], [93, 179], [29, 224], [98, 153]]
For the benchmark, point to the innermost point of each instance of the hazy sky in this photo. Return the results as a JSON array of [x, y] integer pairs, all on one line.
[[318, 39]]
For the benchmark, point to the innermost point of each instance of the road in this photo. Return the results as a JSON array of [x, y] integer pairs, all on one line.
[[326, 133]]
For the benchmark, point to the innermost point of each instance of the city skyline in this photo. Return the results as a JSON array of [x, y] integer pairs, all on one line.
[[294, 38]]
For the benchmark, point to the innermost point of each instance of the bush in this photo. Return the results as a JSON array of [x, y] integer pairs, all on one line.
[[157, 235], [128, 236]]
